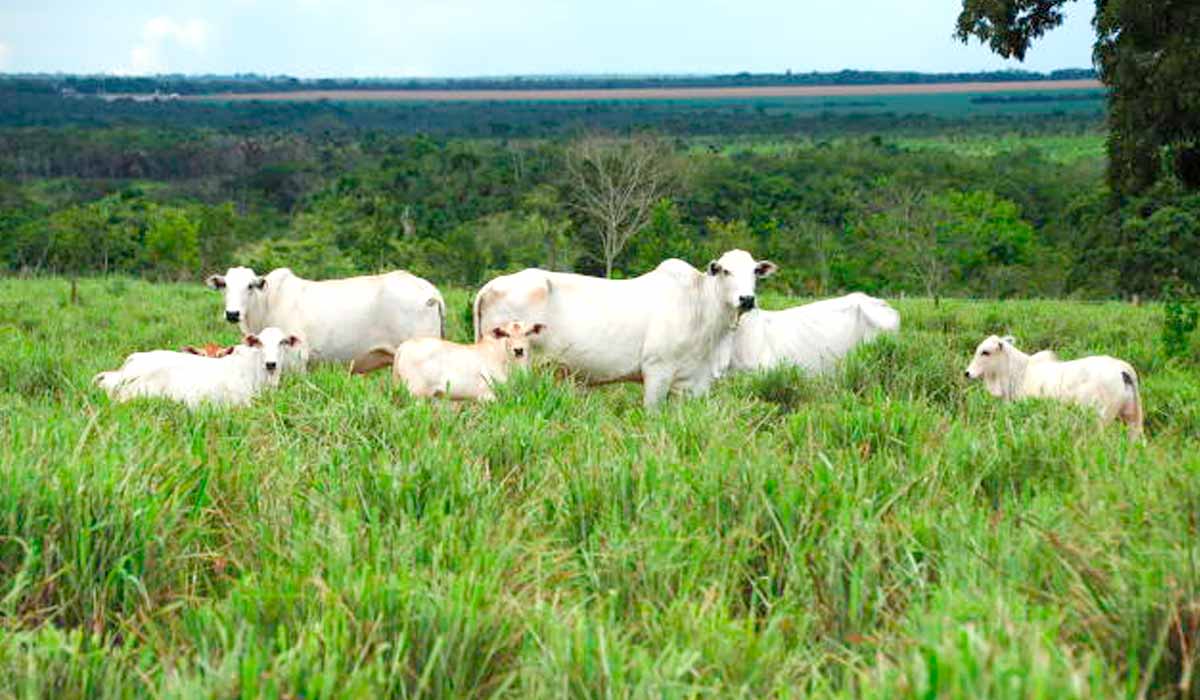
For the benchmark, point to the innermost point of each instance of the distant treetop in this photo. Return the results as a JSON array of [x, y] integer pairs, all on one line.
[[209, 84]]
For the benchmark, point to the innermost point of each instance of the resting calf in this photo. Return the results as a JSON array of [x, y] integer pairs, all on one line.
[[1105, 383], [436, 367], [194, 379]]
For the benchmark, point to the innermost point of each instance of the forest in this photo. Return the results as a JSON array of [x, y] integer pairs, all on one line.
[[1001, 195]]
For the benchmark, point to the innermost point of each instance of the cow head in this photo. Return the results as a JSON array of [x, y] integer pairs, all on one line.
[[238, 285], [515, 336], [991, 358], [280, 351], [737, 274]]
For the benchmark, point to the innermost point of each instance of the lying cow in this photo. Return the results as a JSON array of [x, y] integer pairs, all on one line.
[[340, 320], [208, 350], [813, 336], [665, 329], [195, 379], [1105, 383], [436, 367]]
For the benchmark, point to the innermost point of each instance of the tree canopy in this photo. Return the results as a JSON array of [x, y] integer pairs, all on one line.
[[1146, 51]]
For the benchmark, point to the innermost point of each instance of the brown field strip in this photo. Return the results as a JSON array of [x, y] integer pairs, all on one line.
[[692, 93]]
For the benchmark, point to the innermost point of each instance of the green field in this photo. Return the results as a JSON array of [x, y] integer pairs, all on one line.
[[885, 532], [1067, 149], [1029, 102], [1061, 149]]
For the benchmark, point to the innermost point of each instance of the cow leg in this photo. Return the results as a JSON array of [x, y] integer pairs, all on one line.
[[656, 384], [699, 386]]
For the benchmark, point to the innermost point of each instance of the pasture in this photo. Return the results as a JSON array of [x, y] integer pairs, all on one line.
[[888, 531], [1006, 91], [945, 100]]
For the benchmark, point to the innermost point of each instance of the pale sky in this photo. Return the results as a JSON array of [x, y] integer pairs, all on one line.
[[455, 38]]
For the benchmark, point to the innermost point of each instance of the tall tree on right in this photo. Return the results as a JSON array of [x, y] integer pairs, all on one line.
[[1148, 54]]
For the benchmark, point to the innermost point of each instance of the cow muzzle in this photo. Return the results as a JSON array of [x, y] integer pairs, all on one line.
[[745, 303], [272, 366], [233, 316]]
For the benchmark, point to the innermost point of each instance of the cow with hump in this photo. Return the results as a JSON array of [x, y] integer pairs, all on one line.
[[670, 328], [813, 336], [340, 319], [1107, 384]]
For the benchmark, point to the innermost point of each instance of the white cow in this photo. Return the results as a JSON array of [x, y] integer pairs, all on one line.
[[195, 379], [666, 328], [340, 320], [436, 367], [813, 336], [1105, 383]]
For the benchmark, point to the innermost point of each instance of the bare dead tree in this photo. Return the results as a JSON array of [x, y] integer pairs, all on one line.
[[616, 184]]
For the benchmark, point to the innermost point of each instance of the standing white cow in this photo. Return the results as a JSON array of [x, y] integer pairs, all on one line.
[[813, 336], [666, 329], [192, 379], [341, 319], [1105, 383]]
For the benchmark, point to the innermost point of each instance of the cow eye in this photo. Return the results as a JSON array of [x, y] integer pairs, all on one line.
[[725, 272], [985, 353]]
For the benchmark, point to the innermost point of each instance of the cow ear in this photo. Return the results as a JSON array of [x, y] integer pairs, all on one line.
[[499, 332], [188, 349], [259, 282], [225, 352], [252, 340], [292, 340], [765, 268], [215, 282], [537, 328], [714, 268]]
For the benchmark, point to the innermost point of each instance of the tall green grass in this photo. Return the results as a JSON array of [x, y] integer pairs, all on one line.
[[884, 532]]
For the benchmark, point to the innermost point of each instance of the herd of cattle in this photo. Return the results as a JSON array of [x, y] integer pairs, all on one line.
[[674, 329]]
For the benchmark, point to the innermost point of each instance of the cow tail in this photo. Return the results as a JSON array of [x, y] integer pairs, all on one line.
[[1135, 417], [439, 305], [477, 311]]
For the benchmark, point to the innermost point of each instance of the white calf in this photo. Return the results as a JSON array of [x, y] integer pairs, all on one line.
[[195, 379], [436, 367], [1105, 383]]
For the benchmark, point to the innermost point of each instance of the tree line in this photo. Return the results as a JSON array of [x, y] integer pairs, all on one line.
[[251, 83], [853, 213]]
